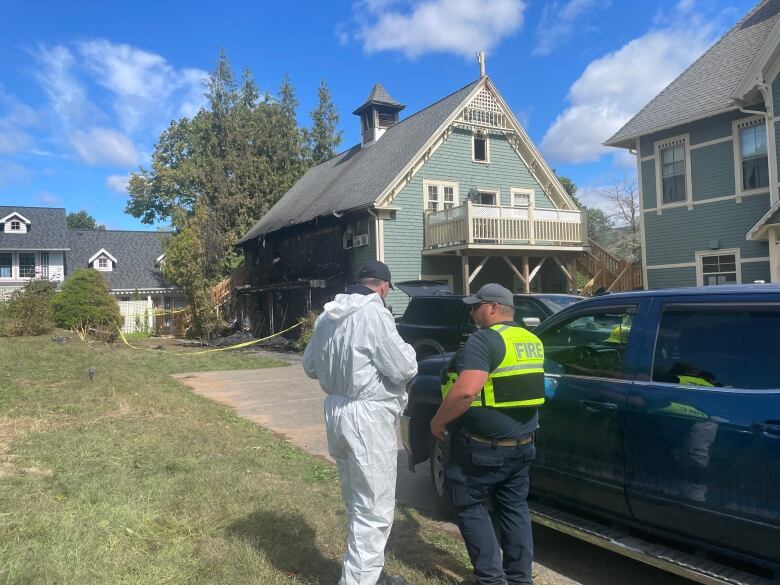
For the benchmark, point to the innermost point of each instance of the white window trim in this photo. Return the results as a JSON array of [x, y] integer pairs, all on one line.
[[522, 191], [440, 185], [719, 252], [13, 266], [109, 265], [486, 136], [18, 266], [659, 187], [736, 126], [448, 277], [15, 214], [497, 193], [101, 252]]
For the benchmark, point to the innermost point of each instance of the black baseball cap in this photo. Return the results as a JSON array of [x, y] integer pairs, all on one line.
[[376, 269]]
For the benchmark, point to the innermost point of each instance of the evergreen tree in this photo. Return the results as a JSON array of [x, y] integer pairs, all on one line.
[[324, 139], [81, 220]]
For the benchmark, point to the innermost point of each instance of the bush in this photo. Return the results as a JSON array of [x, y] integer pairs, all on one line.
[[307, 329], [29, 310], [85, 303]]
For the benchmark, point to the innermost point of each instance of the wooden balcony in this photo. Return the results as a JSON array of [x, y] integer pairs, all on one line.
[[488, 227]]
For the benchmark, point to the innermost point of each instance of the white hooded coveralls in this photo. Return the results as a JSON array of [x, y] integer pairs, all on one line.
[[362, 364]]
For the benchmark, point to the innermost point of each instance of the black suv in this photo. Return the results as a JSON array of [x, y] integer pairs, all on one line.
[[437, 321]]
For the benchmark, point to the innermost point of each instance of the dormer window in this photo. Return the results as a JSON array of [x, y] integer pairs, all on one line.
[[102, 261], [16, 225]]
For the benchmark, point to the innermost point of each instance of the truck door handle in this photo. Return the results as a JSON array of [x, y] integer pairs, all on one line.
[[594, 406], [769, 427]]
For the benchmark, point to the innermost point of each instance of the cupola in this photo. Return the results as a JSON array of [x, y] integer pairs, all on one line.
[[377, 114]]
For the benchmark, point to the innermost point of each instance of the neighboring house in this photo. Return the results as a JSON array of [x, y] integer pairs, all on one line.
[[456, 192], [33, 244], [707, 161]]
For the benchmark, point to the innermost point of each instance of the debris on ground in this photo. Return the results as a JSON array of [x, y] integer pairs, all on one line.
[[63, 339]]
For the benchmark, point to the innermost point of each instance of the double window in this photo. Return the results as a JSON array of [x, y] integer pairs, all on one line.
[[753, 157], [26, 265], [440, 195]]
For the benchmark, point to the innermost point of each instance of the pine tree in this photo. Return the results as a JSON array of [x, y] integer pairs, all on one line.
[[324, 139]]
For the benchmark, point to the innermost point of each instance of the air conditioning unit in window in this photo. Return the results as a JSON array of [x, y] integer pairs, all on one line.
[[361, 240]]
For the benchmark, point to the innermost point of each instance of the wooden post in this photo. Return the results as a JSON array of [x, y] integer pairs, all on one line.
[[526, 278], [573, 271], [464, 261], [469, 224]]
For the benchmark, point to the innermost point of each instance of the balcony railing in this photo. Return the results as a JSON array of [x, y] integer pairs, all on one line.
[[475, 224]]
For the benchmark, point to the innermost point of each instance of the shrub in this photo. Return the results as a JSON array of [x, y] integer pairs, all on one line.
[[85, 303], [29, 310], [307, 329]]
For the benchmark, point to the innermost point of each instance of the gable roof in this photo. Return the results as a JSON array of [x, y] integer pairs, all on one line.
[[47, 230], [356, 177], [135, 252], [707, 87], [17, 215]]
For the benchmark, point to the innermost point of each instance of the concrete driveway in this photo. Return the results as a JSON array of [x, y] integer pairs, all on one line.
[[287, 402]]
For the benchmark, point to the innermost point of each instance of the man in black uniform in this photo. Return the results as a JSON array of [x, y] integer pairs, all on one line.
[[490, 409]]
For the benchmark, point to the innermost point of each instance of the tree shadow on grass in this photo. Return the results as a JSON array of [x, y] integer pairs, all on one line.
[[289, 544], [409, 546]]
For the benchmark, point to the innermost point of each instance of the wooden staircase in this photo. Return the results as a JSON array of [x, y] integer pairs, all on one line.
[[607, 272]]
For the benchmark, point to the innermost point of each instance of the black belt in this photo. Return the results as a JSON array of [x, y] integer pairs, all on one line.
[[500, 442]]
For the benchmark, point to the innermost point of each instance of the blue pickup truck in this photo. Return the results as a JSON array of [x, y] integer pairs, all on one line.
[[660, 436]]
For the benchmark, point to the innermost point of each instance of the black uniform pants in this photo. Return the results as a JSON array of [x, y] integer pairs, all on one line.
[[477, 472]]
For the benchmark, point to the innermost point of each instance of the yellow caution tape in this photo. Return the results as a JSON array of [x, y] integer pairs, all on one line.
[[237, 346]]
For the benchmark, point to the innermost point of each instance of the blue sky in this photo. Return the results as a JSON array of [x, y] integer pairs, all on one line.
[[86, 90]]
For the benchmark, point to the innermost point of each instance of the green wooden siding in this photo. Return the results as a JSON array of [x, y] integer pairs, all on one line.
[[776, 91], [671, 277], [674, 236], [752, 271], [699, 131], [777, 146], [363, 254], [403, 236], [648, 184], [712, 171]]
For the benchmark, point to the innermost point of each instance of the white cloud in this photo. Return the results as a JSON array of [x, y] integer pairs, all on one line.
[[104, 146], [460, 27], [16, 119], [118, 183], [47, 198], [560, 22], [144, 86], [616, 86]]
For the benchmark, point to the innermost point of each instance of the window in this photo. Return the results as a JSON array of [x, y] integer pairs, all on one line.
[[527, 309], [592, 344], [480, 148], [522, 197], [102, 263], [356, 235], [386, 119], [486, 197], [44, 265], [26, 265], [718, 268], [6, 265], [673, 173], [433, 197], [753, 153], [438, 195], [731, 347], [16, 225]]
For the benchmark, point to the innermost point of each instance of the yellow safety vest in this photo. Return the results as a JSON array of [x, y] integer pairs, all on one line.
[[518, 381], [684, 409]]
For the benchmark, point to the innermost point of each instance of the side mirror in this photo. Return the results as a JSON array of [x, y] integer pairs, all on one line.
[[531, 322]]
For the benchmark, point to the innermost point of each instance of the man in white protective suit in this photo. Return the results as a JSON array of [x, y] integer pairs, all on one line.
[[363, 365]]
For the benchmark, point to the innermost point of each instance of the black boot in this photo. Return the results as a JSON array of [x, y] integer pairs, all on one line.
[[385, 579]]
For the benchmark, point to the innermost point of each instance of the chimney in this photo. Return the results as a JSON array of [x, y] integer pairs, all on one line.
[[378, 113]]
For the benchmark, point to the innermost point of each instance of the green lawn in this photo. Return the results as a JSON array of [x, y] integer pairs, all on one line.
[[132, 478]]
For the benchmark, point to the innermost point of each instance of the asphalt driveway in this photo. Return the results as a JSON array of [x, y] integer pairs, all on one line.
[[288, 403]]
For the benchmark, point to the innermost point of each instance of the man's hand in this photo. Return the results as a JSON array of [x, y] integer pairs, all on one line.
[[438, 428]]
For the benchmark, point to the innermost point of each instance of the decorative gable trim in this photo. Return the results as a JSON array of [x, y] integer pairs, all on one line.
[[759, 71], [15, 214], [102, 252], [484, 108]]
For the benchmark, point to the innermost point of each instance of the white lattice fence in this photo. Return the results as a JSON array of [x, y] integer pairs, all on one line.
[[139, 315]]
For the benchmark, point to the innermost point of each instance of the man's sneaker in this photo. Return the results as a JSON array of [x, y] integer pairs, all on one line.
[[385, 579]]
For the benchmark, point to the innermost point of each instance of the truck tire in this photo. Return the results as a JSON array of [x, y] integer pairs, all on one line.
[[427, 348], [443, 499]]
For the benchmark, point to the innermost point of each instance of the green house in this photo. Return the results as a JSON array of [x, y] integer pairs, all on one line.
[[456, 192], [707, 164]]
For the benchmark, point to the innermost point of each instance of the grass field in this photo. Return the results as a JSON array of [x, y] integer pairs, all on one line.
[[131, 478]]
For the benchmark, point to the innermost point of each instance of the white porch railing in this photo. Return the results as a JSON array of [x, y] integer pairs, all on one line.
[[472, 223]]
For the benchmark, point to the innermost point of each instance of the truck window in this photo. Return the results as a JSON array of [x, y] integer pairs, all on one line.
[[527, 309], [434, 311], [591, 344], [730, 347]]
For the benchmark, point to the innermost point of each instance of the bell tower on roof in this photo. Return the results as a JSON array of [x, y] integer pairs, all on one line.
[[378, 113]]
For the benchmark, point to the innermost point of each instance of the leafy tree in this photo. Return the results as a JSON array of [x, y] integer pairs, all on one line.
[[187, 266], [81, 220], [570, 188], [84, 302], [29, 310], [600, 227], [324, 139]]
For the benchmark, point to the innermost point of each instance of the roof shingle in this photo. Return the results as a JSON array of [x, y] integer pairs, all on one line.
[[48, 229]]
